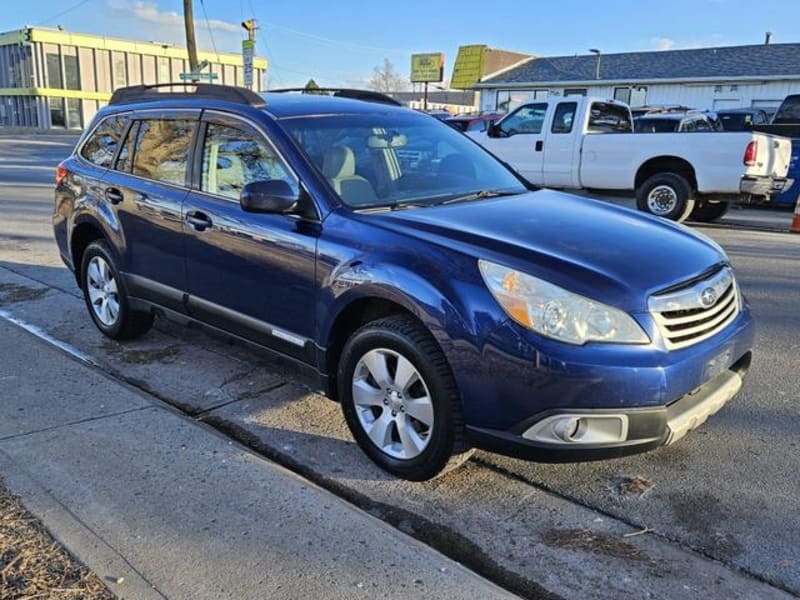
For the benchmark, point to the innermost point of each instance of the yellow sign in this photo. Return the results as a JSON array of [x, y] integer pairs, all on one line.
[[469, 66], [427, 67]]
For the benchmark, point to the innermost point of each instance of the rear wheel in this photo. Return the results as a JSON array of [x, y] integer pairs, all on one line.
[[666, 195], [400, 400], [706, 212], [106, 297]]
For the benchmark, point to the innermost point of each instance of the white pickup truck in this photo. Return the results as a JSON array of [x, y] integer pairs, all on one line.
[[579, 142]]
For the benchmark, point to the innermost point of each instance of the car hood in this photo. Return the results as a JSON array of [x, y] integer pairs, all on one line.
[[612, 254]]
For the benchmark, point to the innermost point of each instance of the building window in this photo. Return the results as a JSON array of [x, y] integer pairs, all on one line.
[[632, 96], [120, 70], [57, 118], [74, 113], [72, 77], [508, 100], [54, 70], [574, 92]]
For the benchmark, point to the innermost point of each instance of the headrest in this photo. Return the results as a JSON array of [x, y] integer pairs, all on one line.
[[339, 162]]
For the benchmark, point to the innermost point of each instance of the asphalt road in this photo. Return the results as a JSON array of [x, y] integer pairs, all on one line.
[[720, 508]]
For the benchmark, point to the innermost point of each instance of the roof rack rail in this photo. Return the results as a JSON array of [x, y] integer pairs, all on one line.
[[166, 91], [365, 95]]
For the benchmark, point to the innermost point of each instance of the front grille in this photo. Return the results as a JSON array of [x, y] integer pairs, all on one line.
[[686, 321]]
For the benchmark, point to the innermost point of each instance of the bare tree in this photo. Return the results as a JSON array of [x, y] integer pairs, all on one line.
[[386, 79]]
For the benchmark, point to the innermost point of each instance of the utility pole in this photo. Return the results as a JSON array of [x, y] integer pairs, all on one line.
[[191, 44]]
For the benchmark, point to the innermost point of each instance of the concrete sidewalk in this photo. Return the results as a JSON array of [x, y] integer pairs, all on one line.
[[140, 492]]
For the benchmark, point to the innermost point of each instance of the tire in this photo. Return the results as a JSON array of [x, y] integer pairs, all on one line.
[[705, 212], [666, 195], [106, 297], [414, 444]]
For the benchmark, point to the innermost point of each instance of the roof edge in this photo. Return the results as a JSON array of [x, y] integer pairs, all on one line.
[[593, 82]]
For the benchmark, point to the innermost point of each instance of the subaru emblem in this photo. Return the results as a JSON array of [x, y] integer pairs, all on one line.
[[708, 297]]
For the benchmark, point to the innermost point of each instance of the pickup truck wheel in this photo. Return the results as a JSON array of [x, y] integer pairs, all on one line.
[[400, 400], [666, 195], [106, 297], [705, 212]]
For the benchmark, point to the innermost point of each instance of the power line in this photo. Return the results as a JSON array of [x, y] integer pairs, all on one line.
[[63, 12], [334, 42], [210, 33]]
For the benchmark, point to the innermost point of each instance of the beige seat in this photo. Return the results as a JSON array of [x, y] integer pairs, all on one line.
[[339, 167]]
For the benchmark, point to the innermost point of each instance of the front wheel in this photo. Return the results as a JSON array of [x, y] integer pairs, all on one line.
[[400, 400], [705, 212], [666, 195]]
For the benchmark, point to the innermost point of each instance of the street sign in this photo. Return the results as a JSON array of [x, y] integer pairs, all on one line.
[[248, 49], [195, 76]]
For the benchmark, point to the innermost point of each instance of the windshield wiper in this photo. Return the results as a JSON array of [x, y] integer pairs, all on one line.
[[403, 205], [479, 195]]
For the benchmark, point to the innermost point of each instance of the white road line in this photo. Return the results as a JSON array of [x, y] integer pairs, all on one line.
[[43, 335], [28, 167]]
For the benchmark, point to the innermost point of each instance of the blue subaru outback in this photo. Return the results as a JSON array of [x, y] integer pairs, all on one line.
[[443, 302]]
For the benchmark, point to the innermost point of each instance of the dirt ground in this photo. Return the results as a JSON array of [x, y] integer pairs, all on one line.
[[34, 565]]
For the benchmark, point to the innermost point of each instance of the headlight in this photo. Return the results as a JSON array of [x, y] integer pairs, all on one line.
[[556, 313]]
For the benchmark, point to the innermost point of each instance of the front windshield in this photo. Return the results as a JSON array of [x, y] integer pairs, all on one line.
[[397, 159]]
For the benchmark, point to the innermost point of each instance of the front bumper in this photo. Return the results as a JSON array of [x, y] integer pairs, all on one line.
[[764, 186], [644, 428]]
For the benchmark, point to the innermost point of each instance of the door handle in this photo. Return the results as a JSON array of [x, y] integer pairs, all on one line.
[[113, 195], [539, 145], [200, 221]]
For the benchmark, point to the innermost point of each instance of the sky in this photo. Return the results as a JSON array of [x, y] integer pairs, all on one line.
[[340, 42]]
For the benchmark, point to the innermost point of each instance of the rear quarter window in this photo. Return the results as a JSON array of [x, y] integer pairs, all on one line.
[[605, 117], [102, 144]]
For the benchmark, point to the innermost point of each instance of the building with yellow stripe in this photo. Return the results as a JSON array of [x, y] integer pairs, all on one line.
[[53, 78]]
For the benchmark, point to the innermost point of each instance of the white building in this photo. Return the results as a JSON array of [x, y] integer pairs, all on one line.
[[703, 78]]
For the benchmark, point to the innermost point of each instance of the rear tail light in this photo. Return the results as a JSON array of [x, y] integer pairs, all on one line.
[[750, 154], [61, 173]]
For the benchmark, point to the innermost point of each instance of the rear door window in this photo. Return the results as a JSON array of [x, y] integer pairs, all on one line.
[[162, 149], [564, 117], [102, 145]]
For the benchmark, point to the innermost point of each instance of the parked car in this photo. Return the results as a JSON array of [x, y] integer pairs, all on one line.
[[472, 122], [786, 122], [742, 119], [639, 111], [582, 142], [672, 122], [447, 306]]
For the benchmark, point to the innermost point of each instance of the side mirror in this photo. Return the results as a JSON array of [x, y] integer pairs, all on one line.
[[272, 196], [493, 130]]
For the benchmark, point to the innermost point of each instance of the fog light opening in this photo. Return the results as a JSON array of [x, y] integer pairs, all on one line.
[[569, 429]]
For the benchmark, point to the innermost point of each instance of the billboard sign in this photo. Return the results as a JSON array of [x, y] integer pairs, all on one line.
[[427, 67], [468, 69]]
